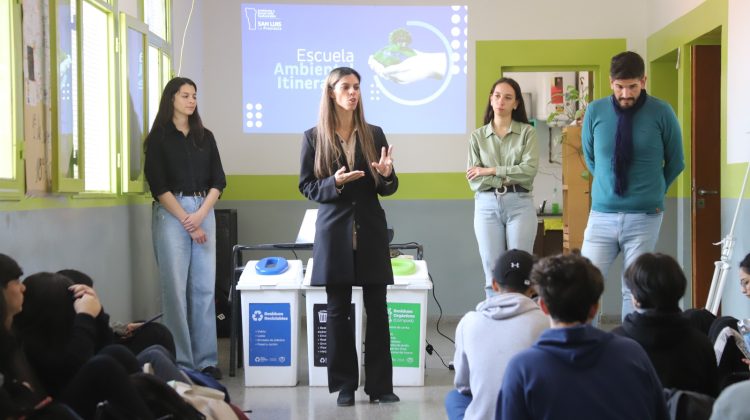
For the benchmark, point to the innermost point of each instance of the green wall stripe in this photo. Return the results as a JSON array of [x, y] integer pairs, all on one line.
[[412, 186]]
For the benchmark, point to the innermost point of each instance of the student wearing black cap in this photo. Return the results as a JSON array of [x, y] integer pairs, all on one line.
[[501, 326]]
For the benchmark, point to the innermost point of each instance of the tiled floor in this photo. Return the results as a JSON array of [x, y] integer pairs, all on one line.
[[305, 402]]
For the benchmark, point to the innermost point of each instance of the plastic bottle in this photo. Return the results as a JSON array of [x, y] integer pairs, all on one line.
[[555, 204]]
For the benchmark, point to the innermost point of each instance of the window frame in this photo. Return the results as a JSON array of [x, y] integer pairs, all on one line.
[[13, 188], [60, 182], [127, 185]]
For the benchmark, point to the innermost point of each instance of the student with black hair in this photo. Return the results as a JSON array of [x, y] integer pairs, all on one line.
[[136, 336], [733, 366], [87, 383], [683, 357], [486, 339], [575, 370]]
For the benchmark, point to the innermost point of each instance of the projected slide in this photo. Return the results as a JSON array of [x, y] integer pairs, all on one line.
[[412, 60]]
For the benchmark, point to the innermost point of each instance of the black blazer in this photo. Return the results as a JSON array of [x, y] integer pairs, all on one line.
[[358, 204]]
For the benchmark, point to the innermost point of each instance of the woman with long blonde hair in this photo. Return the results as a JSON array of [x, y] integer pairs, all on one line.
[[345, 164]]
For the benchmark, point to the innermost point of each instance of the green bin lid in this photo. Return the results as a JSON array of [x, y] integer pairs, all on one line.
[[403, 267]]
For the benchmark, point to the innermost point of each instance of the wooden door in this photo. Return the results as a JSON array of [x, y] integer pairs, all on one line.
[[706, 171]]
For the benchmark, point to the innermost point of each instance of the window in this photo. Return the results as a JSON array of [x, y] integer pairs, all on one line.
[[155, 16], [65, 122], [159, 58], [83, 90], [133, 108], [97, 97], [11, 101]]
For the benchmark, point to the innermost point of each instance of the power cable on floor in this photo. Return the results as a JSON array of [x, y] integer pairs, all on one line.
[[440, 314]]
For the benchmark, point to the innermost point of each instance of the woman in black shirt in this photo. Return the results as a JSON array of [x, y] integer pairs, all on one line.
[[185, 175]]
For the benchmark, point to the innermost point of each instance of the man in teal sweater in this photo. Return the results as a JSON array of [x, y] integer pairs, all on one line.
[[633, 147]]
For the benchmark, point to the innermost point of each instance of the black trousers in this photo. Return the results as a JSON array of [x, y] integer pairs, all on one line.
[[343, 371]]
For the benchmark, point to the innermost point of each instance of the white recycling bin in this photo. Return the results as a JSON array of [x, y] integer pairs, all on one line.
[[316, 303], [270, 324], [407, 319]]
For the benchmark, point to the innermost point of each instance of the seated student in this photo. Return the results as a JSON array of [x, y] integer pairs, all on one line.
[[136, 336], [733, 366], [62, 326], [683, 357], [575, 370], [21, 396], [502, 325], [732, 403]]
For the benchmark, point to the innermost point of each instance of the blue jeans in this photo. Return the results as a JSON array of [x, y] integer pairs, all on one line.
[[187, 271], [456, 404], [502, 222], [608, 234]]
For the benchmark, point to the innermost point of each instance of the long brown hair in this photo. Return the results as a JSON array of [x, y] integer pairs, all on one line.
[[166, 112], [327, 150], [518, 114]]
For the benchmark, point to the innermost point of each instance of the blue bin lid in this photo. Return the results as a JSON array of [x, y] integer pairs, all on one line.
[[270, 266]]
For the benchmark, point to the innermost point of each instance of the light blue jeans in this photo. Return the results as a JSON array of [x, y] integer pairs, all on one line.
[[608, 234], [187, 272], [456, 404], [502, 222]]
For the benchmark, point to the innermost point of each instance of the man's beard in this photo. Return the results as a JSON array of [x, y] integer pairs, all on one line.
[[627, 102]]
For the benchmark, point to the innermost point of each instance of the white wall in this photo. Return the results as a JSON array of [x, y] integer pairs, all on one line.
[[660, 13], [738, 67]]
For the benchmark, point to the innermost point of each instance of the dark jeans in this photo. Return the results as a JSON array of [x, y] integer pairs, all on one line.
[[149, 335], [343, 369], [103, 378]]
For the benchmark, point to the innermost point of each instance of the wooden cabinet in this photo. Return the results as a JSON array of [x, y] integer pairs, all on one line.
[[547, 242], [576, 189]]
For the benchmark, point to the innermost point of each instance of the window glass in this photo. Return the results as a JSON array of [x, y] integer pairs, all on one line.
[[136, 111], [154, 84], [67, 90], [96, 99], [155, 12], [7, 137]]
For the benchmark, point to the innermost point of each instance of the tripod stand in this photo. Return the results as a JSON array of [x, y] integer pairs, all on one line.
[[721, 267]]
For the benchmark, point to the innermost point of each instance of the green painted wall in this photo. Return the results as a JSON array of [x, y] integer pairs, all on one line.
[[697, 27], [496, 57]]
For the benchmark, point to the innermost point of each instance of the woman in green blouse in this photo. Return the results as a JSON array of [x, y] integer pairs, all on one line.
[[503, 160]]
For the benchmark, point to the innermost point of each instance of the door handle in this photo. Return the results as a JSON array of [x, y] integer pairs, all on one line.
[[707, 192]]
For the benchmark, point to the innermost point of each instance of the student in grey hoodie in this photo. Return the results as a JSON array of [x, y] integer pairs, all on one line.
[[502, 326]]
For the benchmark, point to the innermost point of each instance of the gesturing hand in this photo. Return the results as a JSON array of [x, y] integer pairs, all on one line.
[[342, 177], [385, 166]]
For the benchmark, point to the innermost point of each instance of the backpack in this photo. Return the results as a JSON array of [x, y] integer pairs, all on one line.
[[688, 405], [163, 401], [200, 378]]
